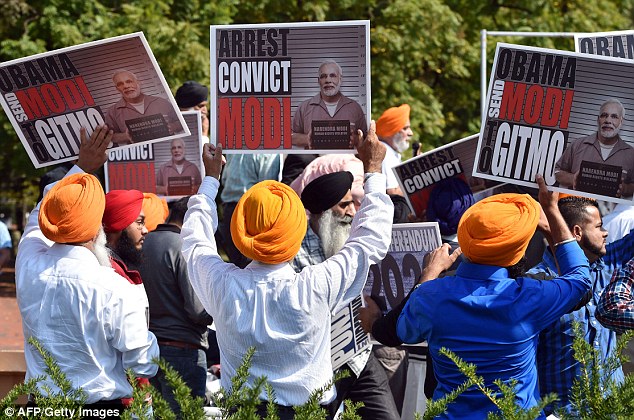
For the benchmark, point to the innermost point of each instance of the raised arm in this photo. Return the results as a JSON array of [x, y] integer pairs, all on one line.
[[201, 221], [345, 273], [92, 155]]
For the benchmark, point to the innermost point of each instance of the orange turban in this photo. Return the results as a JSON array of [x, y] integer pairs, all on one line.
[[392, 121], [269, 223], [155, 210], [71, 211], [122, 208], [565, 195], [496, 230]]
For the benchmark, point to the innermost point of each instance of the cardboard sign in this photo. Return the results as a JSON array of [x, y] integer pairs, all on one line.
[[393, 278], [171, 169], [545, 112], [48, 97], [346, 332], [270, 82], [419, 176]]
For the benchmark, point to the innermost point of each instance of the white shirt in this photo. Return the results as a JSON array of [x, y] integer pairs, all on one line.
[[90, 319], [285, 315], [392, 159], [619, 222]]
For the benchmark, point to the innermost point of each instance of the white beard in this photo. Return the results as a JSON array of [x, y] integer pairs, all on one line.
[[331, 92], [101, 250], [400, 142], [333, 231], [611, 135]]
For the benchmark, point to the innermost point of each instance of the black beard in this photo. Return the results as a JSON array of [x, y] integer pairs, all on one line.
[[587, 246], [127, 251], [518, 269]]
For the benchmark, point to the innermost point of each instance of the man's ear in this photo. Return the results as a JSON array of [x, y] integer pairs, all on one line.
[[112, 238], [577, 232]]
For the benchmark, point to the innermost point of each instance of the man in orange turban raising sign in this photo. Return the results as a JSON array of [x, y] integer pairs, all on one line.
[[83, 313], [285, 315], [488, 313]]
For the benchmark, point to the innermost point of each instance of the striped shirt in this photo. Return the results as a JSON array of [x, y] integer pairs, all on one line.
[[557, 367], [616, 308], [285, 315]]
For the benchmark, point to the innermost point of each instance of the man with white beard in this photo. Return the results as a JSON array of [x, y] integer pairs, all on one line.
[[71, 300], [604, 147], [328, 105], [394, 131], [329, 200]]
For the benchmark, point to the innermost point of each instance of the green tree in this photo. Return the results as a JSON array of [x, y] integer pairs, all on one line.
[[423, 52], [178, 33]]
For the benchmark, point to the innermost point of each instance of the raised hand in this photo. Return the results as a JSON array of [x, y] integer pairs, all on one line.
[[213, 160], [92, 151]]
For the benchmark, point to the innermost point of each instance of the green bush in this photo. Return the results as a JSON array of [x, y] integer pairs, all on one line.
[[238, 403], [594, 395]]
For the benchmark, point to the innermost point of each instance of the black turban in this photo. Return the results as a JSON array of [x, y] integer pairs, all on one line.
[[324, 192], [190, 94]]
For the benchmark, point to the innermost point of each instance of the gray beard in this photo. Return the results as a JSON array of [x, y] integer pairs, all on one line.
[[333, 231], [400, 142], [611, 135], [331, 93], [100, 249]]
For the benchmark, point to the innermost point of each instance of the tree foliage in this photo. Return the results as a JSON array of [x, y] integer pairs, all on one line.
[[424, 52]]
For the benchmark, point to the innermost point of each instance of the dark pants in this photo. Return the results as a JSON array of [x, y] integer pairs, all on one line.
[[394, 362], [224, 229], [372, 389], [213, 351], [191, 365], [283, 412]]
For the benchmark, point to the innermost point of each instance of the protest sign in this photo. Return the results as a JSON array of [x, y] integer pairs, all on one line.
[[546, 114], [609, 44], [392, 279], [267, 82], [347, 335], [169, 168], [117, 81], [418, 176]]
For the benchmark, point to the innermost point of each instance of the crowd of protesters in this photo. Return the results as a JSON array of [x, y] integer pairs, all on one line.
[[108, 282]]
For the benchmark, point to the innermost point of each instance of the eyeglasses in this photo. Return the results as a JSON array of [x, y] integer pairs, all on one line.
[[140, 223]]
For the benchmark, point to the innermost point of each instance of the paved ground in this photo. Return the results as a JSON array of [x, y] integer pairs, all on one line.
[[11, 337]]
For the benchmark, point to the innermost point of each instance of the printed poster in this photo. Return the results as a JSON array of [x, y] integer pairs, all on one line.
[[394, 277], [609, 44], [419, 176], [116, 81], [559, 114], [290, 87], [347, 335], [170, 169]]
